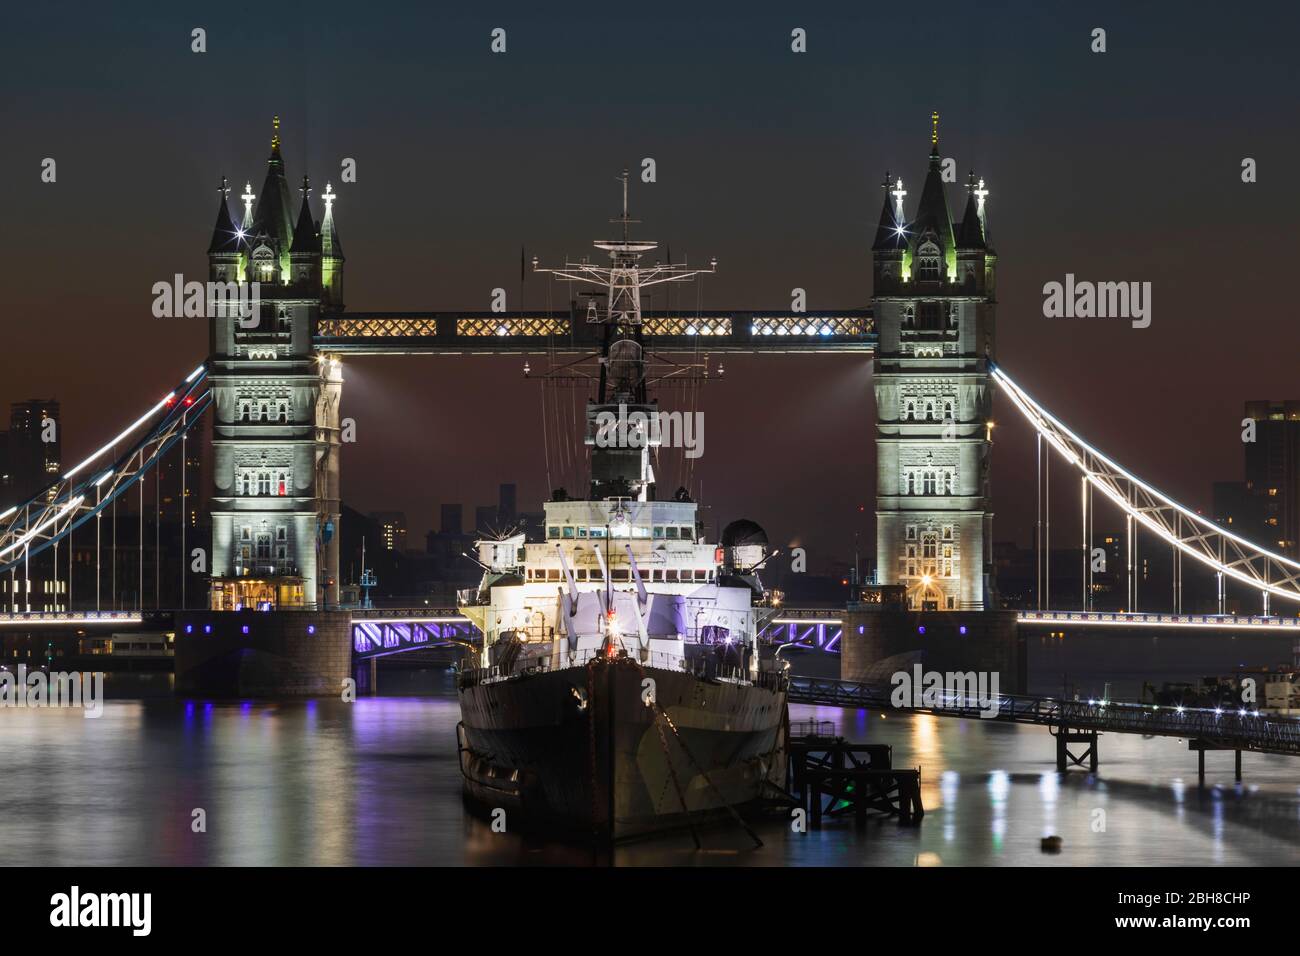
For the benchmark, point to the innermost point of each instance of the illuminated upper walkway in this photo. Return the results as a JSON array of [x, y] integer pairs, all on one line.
[[567, 333]]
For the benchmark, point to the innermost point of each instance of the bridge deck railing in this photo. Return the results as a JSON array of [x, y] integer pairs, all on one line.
[[1239, 729]]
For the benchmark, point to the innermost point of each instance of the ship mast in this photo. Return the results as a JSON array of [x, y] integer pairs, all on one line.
[[621, 470], [623, 279]]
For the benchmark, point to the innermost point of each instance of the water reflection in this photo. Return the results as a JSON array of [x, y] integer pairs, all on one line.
[[376, 782]]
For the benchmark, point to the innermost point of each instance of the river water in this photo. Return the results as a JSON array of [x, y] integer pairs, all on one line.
[[376, 782]]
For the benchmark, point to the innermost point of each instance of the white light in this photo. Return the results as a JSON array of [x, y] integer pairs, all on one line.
[[194, 374], [1218, 711], [70, 506], [1095, 619], [1037, 414], [8, 513], [40, 617], [140, 421], [1180, 709], [103, 478], [362, 619]]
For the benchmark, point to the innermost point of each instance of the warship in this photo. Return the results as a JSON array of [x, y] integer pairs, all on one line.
[[619, 690]]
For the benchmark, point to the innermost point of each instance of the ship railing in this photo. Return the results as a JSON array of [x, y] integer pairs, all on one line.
[[701, 667]]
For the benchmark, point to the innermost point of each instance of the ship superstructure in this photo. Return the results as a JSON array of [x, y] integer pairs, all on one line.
[[619, 684]]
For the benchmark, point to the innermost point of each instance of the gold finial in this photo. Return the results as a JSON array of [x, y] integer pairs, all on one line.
[[934, 128], [275, 137]]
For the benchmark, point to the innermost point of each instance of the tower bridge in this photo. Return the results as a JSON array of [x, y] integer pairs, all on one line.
[[275, 388]]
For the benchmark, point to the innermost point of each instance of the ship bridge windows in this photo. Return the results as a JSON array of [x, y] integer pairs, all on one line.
[[567, 531], [598, 532], [671, 532], [553, 531]]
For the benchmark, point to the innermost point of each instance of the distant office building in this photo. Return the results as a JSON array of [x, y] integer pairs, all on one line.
[[6, 475], [507, 508], [34, 446], [175, 484], [1273, 472], [392, 529], [485, 519], [451, 520], [1240, 511]]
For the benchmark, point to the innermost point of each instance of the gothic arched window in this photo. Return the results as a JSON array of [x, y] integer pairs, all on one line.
[[929, 262]]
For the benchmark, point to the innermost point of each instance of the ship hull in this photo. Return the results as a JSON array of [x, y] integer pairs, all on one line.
[[580, 752]]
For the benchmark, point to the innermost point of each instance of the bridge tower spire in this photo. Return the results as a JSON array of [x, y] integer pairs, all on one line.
[[934, 311], [275, 496]]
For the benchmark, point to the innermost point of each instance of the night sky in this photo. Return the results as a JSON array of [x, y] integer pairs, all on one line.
[[1117, 166]]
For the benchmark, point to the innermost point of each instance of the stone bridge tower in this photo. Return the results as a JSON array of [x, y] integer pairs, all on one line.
[[275, 500], [934, 301]]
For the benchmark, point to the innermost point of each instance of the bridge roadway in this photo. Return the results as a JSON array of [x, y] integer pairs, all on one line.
[[1218, 729], [786, 618]]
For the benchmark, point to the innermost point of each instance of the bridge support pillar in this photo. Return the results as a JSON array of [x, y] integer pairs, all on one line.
[[374, 676], [1065, 756], [1201, 746]]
